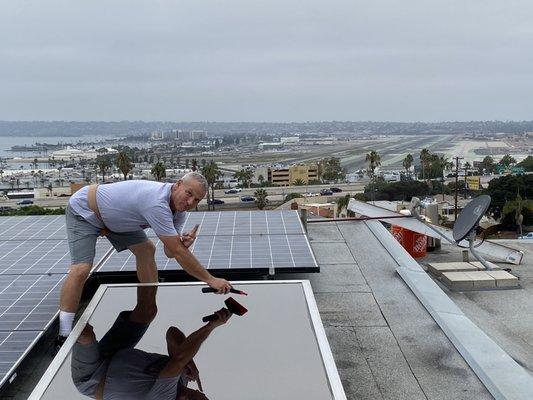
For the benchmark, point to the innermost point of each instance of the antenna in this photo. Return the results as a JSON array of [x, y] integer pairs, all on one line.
[[465, 225]]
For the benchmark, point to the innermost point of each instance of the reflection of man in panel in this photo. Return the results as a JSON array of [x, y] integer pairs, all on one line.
[[121, 211], [113, 369]]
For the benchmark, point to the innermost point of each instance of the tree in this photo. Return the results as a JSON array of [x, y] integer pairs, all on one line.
[[158, 171], [374, 161], [124, 164], [211, 173], [103, 165], [526, 163], [407, 163], [261, 179], [424, 161], [507, 160], [298, 182], [332, 170], [487, 164], [244, 176], [261, 198], [194, 164], [342, 203]]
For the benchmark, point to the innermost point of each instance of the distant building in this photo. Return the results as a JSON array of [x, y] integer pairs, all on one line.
[[156, 136], [290, 140], [270, 145], [285, 176], [197, 135]]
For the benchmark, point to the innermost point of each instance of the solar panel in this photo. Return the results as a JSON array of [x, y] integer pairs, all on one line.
[[28, 302], [284, 222], [13, 346], [40, 256], [33, 227], [239, 253], [277, 350]]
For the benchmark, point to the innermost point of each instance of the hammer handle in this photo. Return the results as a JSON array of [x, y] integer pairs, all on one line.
[[208, 318]]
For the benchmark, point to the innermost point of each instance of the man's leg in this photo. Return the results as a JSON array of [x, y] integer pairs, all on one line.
[[145, 259], [70, 296]]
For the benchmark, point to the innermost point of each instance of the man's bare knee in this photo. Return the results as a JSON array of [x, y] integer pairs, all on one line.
[[143, 250], [79, 272]]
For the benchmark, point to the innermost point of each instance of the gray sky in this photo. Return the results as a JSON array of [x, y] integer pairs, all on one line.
[[272, 60]]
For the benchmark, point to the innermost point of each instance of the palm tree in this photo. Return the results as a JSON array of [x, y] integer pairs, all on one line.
[[194, 164], [424, 161], [244, 176], [211, 173], [374, 161], [261, 179], [407, 163], [158, 171], [59, 173], [103, 165], [261, 198], [298, 182], [124, 164]]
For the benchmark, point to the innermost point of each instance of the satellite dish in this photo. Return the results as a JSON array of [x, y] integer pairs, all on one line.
[[470, 216]]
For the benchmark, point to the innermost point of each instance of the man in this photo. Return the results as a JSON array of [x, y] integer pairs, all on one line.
[[121, 211], [113, 368]]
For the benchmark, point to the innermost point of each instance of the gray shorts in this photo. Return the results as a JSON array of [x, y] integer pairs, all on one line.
[[89, 361], [82, 238]]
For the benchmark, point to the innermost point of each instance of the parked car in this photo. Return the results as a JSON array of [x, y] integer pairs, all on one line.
[[527, 236], [311, 194], [216, 201], [247, 199], [24, 202], [326, 192], [5, 208], [335, 189], [233, 191]]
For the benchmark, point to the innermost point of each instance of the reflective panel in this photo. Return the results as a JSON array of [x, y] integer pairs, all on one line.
[[150, 342]]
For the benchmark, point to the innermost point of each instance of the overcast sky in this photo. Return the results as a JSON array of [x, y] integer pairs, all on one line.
[[266, 60]]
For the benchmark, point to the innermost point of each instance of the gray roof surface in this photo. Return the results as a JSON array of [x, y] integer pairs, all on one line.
[[385, 343], [504, 315]]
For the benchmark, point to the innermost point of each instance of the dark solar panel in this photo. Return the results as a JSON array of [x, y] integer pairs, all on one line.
[[28, 302], [33, 227], [13, 345], [40, 256], [231, 252], [280, 338]]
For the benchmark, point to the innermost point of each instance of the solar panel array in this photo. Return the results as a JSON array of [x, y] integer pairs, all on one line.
[[239, 253], [237, 241], [34, 261]]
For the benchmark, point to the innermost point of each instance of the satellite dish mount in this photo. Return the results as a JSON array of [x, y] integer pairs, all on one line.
[[465, 226]]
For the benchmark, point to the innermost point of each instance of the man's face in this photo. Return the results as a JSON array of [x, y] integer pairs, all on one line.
[[187, 194]]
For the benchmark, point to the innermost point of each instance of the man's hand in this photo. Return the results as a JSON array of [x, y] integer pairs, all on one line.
[[223, 315], [188, 238], [221, 285]]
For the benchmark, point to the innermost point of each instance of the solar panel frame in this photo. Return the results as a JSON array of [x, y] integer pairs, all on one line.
[[47, 388], [41, 256]]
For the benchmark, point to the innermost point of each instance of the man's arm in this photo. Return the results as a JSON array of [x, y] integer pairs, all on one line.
[[188, 348], [175, 248]]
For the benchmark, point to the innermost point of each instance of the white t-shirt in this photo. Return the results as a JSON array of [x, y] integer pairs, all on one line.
[[130, 206]]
